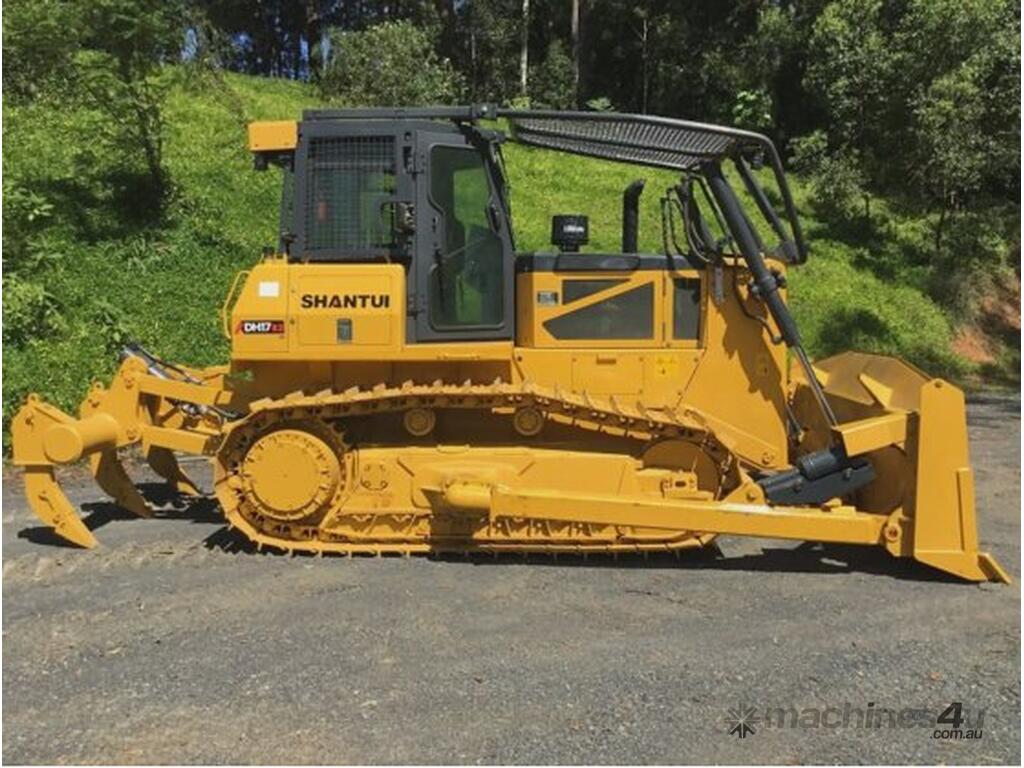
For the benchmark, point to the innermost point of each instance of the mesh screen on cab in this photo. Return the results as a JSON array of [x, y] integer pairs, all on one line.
[[349, 181]]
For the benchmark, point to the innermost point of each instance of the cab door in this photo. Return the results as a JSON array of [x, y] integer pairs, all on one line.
[[463, 270]]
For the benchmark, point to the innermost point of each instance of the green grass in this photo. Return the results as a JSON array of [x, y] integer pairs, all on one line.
[[115, 273], [118, 277]]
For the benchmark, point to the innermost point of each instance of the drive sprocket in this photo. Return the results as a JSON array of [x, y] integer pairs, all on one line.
[[291, 472]]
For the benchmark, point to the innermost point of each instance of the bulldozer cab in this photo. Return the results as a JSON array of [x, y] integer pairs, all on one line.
[[428, 195]]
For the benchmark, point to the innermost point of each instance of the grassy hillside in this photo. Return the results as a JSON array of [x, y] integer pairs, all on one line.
[[115, 271]]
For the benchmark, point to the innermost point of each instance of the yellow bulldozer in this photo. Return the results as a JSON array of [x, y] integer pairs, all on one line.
[[402, 380]]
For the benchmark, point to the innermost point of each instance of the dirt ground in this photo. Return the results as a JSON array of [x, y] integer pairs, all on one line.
[[173, 643]]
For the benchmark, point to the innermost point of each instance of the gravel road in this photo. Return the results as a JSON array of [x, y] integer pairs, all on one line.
[[174, 643]]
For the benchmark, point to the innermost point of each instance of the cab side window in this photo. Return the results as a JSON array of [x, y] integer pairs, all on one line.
[[467, 280]]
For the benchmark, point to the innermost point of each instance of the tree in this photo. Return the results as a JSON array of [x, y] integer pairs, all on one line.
[[107, 56], [39, 41], [752, 110], [671, 57], [488, 35], [774, 59], [125, 44], [390, 64], [850, 71], [552, 85], [577, 43], [275, 37], [837, 181], [960, 82], [524, 50]]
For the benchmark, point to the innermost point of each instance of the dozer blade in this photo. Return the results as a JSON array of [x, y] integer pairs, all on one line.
[[945, 521], [913, 429], [163, 462], [111, 477], [52, 507]]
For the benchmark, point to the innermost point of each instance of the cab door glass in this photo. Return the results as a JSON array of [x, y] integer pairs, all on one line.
[[466, 279]]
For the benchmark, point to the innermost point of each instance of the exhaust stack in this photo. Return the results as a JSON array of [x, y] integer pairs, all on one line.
[[631, 216]]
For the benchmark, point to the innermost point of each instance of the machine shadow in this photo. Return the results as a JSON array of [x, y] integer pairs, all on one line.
[[46, 537], [806, 557], [167, 504]]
